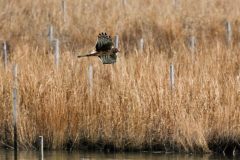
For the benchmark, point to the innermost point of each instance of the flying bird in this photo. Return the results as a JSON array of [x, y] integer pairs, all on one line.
[[104, 49]]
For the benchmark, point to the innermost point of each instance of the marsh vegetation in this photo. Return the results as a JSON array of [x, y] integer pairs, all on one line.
[[131, 105]]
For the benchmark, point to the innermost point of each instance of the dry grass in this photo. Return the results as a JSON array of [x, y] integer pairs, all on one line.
[[132, 106]]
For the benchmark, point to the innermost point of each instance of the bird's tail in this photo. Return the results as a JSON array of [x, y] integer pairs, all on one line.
[[85, 55], [93, 53]]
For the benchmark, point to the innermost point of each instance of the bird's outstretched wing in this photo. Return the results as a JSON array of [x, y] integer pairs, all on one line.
[[108, 59], [104, 43]]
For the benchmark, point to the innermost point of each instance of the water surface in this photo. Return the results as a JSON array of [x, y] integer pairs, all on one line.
[[62, 155]]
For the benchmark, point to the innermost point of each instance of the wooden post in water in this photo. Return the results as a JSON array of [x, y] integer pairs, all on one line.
[[56, 52], [171, 76], [116, 41], [50, 33], [15, 108], [41, 148], [228, 33]]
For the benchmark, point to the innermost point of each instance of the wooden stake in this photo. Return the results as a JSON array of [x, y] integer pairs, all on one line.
[[176, 4], [171, 76], [90, 78], [15, 106], [141, 44], [192, 43], [228, 33], [41, 147], [64, 10], [124, 2], [50, 33], [5, 54], [56, 52]]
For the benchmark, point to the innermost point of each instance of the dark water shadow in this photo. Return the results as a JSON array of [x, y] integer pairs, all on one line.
[[64, 155]]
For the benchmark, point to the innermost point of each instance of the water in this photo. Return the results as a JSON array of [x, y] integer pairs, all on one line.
[[62, 155]]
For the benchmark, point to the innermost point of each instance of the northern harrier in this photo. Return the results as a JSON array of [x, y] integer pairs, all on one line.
[[104, 49]]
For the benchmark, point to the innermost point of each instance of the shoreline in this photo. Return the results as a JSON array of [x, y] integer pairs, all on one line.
[[228, 148]]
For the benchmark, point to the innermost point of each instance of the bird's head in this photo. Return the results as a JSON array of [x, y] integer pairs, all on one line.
[[115, 50]]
